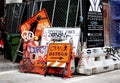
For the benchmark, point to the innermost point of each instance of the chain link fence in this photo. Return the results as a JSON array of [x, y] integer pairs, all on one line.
[[62, 13], [14, 17]]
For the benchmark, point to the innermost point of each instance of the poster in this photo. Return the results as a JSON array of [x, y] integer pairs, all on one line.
[[95, 29], [61, 35]]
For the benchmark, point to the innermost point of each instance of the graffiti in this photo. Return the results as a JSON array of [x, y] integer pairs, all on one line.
[[41, 65], [37, 49], [114, 53], [27, 35], [26, 65], [87, 59], [81, 64], [33, 49]]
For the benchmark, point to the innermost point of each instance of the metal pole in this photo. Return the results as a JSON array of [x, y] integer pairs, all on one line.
[[81, 22], [5, 8], [33, 8], [68, 8], [41, 4], [81, 8], [77, 12], [53, 13], [13, 11], [18, 18]]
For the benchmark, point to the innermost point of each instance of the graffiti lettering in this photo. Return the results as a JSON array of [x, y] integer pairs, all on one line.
[[34, 49], [37, 49]]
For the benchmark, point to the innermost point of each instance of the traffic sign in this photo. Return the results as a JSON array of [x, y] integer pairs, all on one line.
[[59, 52]]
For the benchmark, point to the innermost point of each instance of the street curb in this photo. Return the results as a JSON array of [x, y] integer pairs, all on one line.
[[9, 67]]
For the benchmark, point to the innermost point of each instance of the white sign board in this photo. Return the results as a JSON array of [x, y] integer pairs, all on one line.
[[13, 1], [61, 35]]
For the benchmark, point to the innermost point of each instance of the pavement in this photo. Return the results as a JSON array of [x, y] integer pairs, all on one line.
[[16, 76], [11, 71], [6, 65]]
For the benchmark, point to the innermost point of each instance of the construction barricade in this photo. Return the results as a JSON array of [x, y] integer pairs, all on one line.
[[59, 58], [94, 60], [114, 53], [118, 59], [62, 35], [37, 38]]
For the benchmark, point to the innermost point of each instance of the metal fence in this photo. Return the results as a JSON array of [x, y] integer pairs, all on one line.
[[14, 17], [62, 13]]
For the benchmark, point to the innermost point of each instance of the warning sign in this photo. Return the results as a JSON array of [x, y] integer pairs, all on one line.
[[61, 35], [59, 52], [36, 24]]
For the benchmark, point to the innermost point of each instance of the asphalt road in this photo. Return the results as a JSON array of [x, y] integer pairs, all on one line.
[[17, 77]]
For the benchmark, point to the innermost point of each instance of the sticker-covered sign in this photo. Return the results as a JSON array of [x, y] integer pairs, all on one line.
[[59, 52], [61, 35], [36, 23], [34, 58], [34, 55]]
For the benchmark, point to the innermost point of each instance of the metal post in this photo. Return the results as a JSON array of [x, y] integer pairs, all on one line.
[[53, 13], [41, 5], [81, 22], [18, 18], [68, 8], [77, 12], [33, 8], [13, 11]]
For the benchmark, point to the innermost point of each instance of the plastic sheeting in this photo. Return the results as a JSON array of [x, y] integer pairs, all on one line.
[[115, 23]]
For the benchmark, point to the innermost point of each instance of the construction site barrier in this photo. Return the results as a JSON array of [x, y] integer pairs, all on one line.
[[94, 60], [59, 59], [114, 53]]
